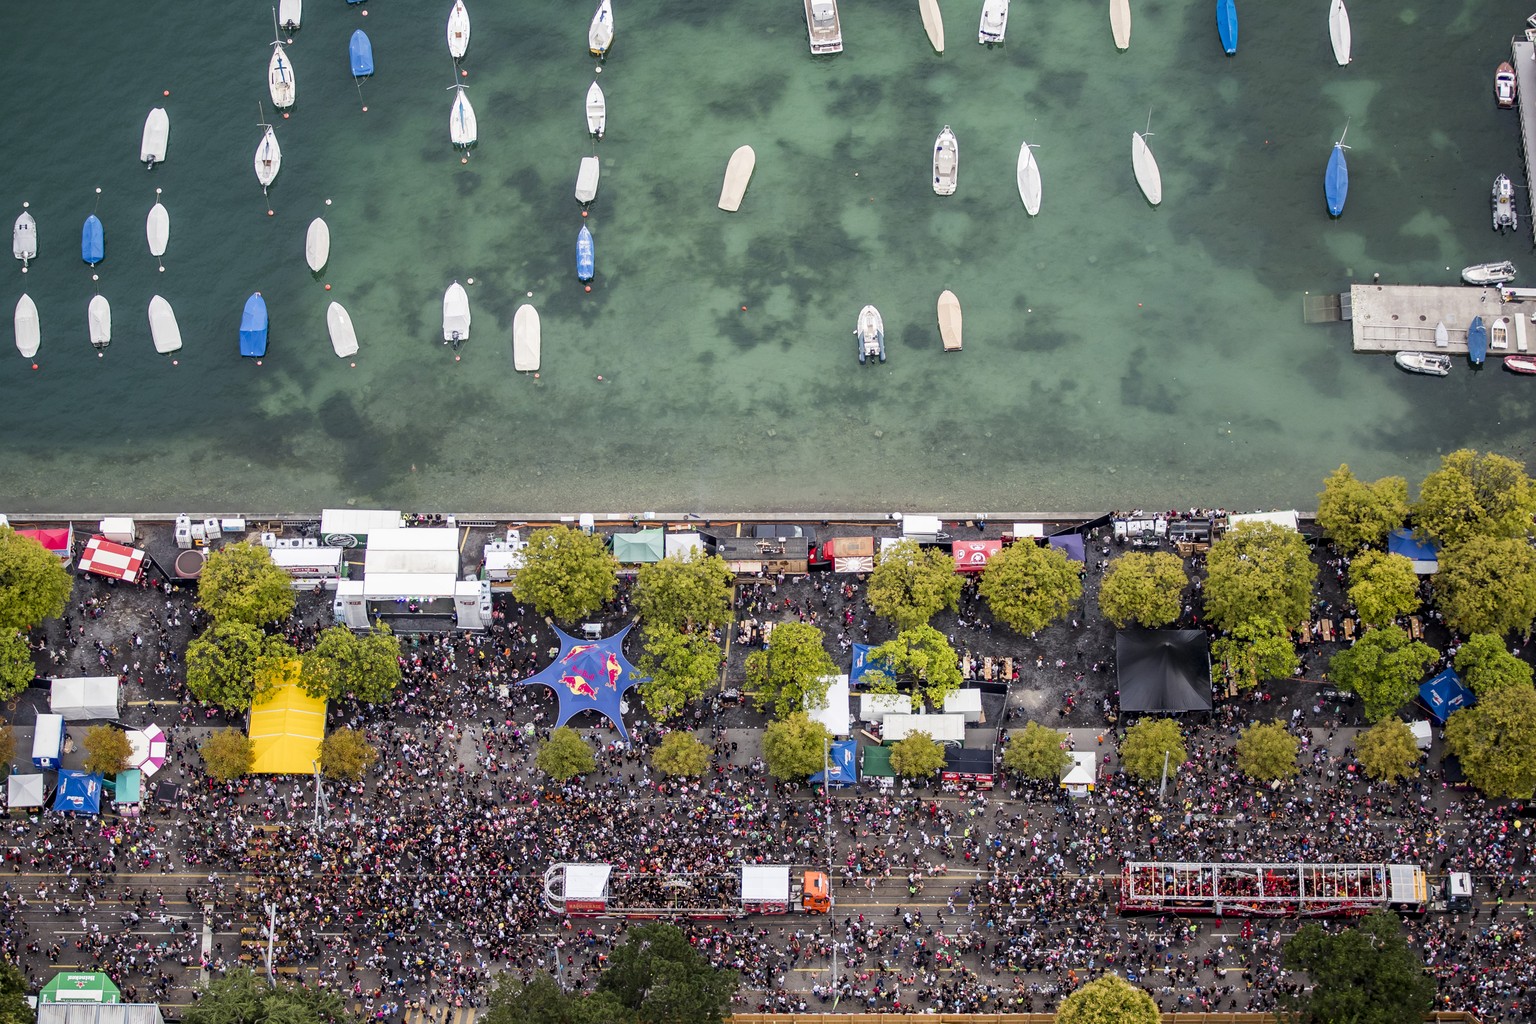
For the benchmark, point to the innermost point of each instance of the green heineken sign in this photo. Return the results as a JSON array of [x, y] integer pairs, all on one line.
[[80, 987]]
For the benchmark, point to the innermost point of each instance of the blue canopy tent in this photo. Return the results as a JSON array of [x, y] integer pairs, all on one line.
[[841, 760], [863, 663], [1424, 554], [1445, 694], [1070, 544], [78, 791], [589, 676]]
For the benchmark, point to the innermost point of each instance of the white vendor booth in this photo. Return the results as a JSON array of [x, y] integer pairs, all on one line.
[[1082, 776], [84, 698], [966, 703], [836, 715], [410, 580], [940, 728], [874, 707]]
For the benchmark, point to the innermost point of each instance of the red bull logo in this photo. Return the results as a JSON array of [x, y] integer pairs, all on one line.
[[579, 686], [577, 651], [611, 670]]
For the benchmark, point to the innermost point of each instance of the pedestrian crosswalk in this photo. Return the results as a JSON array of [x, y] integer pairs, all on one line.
[[440, 1015]]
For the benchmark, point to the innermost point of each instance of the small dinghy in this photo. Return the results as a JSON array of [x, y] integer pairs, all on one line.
[[1477, 341], [1504, 212], [946, 163], [597, 111], [586, 255], [290, 14], [1488, 273], [269, 157], [1338, 31], [738, 172], [1028, 177], [343, 337], [1145, 165], [949, 321], [360, 53], [933, 23], [455, 315], [600, 34], [1442, 336], [253, 327], [24, 238], [525, 339], [458, 30], [1429, 363], [157, 229], [870, 334], [1520, 364], [994, 22], [98, 318], [317, 244], [93, 241], [28, 333], [1336, 178], [1498, 333], [157, 135], [1226, 25], [1120, 23], [586, 180], [163, 329], [463, 129], [281, 84]]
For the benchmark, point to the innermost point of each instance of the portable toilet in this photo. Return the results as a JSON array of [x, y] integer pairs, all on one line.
[[48, 741]]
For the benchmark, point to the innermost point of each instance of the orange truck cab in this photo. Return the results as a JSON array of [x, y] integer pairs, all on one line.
[[816, 894]]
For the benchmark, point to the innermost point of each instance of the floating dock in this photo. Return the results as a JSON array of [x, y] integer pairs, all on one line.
[[1524, 60], [1402, 318]]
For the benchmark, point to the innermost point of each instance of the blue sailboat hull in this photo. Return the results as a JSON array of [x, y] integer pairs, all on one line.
[[253, 327], [586, 256], [1226, 24], [361, 52], [1336, 182], [1477, 341], [93, 242]]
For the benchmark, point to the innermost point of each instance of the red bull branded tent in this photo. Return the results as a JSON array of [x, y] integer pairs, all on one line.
[[589, 675]]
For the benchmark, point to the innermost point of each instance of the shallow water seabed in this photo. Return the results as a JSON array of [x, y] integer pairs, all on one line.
[[1115, 353]]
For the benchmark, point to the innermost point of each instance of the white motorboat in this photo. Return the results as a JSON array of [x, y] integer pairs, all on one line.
[[946, 163], [1429, 363], [28, 333], [600, 34], [1028, 175], [949, 321], [157, 135], [1488, 273], [455, 315], [269, 157], [870, 334], [339, 323], [994, 22], [1120, 23], [458, 30], [1338, 31], [290, 14], [1442, 336], [824, 26], [98, 317], [164, 331], [463, 129], [157, 229], [526, 341], [586, 180], [597, 111], [24, 238], [1498, 333], [738, 172], [933, 23], [1145, 165], [1504, 212], [317, 244], [281, 84]]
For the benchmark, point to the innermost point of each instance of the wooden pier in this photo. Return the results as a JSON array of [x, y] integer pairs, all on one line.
[[1524, 59], [1402, 318]]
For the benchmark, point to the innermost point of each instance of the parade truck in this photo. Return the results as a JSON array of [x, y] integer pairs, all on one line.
[[1286, 890], [846, 554], [598, 890]]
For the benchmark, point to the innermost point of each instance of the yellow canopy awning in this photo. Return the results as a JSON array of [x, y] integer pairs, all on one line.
[[286, 728]]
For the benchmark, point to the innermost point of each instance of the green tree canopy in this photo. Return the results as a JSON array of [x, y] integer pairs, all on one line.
[[1255, 651], [911, 584], [1259, 572], [239, 583], [1496, 742], [14, 1008], [33, 584], [1487, 585], [680, 667], [1266, 751], [1355, 514], [233, 664], [7, 747], [106, 749], [794, 667], [1382, 587], [17, 669], [566, 573], [916, 756], [1475, 495], [565, 755], [660, 977], [1384, 667], [1485, 665], [794, 746], [541, 1000], [1368, 974], [240, 997], [921, 656], [364, 666], [684, 594], [1108, 999], [1386, 751], [1147, 589], [682, 754], [1145, 744], [1029, 587], [346, 754], [1036, 752], [227, 755]]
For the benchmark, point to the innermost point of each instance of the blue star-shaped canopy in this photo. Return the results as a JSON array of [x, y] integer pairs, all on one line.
[[589, 676]]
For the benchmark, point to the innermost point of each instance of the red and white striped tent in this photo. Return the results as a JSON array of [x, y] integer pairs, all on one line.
[[107, 558]]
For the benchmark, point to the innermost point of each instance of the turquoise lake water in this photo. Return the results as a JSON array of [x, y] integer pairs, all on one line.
[[1115, 354]]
